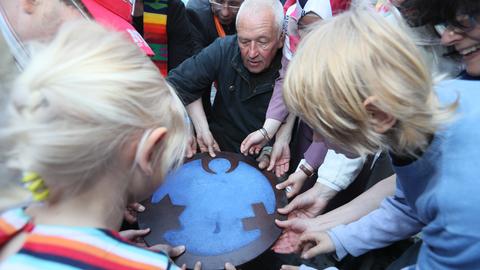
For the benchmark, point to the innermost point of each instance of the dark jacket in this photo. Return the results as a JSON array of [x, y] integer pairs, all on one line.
[[242, 98], [180, 43], [204, 32]]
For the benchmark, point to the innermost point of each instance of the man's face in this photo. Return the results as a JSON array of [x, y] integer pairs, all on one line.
[[466, 41], [258, 39], [225, 10], [37, 19]]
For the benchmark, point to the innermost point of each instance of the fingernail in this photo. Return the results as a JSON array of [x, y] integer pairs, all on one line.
[[141, 208], [277, 186], [181, 248]]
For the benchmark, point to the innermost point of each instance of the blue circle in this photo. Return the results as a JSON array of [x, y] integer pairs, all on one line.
[[215, 205]]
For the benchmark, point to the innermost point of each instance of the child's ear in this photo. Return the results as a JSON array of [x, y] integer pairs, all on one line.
[[29, 6], [145, 156], [382, 121]]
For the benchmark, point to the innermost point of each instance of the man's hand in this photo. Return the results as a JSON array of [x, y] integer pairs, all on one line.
[[295, 182], [130, 214], [207, 143], [191, 146], [315, 243], [309, 204], [253, 143], [205, 139]]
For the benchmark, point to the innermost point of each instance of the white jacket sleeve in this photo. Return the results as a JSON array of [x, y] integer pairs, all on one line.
[[339, 171]]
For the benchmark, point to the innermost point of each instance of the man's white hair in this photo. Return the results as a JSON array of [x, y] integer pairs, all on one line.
[[251, 6]]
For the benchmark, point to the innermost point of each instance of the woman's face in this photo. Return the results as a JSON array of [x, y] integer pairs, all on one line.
[[466, 41]]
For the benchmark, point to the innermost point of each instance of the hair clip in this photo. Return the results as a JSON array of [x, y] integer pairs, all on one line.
[[33, 182]]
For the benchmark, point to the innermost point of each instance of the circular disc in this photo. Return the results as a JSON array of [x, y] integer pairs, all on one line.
[[222, 209]]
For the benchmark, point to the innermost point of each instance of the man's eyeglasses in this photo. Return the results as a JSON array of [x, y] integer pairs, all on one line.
[[464, 24], [219, 4]]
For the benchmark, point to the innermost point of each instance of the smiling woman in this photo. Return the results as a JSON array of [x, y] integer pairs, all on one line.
[[458, 22]]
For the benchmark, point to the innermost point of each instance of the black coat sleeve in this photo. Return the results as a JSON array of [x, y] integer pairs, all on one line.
[[180, 46], [198, 72]]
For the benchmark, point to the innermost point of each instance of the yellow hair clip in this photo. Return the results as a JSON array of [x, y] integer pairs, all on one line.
[[36, 185]]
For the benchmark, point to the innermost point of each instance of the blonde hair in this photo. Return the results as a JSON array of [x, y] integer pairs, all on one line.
[[82, 100], [354, 56]]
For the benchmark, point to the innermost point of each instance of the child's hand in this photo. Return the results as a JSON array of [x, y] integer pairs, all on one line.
[[315, 243], [293, 184]]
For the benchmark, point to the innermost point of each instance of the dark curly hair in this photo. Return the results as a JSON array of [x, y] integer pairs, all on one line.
[[437, 11]]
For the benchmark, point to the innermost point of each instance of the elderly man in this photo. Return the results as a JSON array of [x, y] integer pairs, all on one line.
[[245, 67]]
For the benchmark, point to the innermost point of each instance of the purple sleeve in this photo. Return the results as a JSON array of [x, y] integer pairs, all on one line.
[[315, 154], [276, 108], [394, 220]]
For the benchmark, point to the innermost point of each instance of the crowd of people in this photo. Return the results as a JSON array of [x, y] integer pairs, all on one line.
[[364, 110]]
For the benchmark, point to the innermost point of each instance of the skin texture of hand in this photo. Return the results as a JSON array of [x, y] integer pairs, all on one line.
[[281, 148], [315, 243], [289, 240], [205, 139], [289, 267], [304, 207], [280, 158], [136, 236], [310, 203], [295, 181], [198, 266], [293, 227], [207, 143], [264, 157], [253, 143], [192, 146], [130, 214]]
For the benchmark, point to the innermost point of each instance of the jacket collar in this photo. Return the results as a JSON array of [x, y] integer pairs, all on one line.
[[237, 64]]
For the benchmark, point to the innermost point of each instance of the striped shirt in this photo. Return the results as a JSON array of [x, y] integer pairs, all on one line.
[[64, 247]]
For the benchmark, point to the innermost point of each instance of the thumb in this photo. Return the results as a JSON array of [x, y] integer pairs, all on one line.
[[132, 234], [284, 224], [285, 183], [245, 145], [289, 207], [322, 244], [176, 251], [295, 224]]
